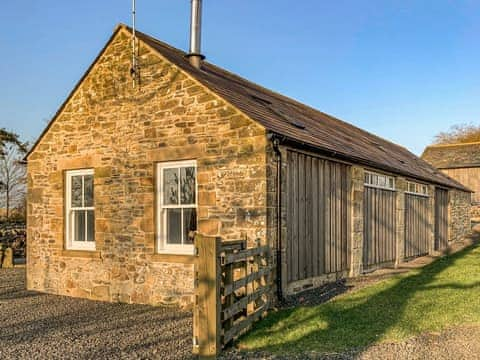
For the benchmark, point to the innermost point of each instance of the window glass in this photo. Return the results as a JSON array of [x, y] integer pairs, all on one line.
[[79, 225], [88, 190], [382, 181], [187, 187], [174, 226], [367, 178], [170, 186], [189, 224], [90, 225], [76, 191]]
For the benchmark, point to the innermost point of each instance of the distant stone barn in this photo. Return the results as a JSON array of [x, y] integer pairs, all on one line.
[[124, 176], [462, 163]]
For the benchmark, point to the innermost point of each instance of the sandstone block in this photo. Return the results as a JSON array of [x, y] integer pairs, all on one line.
[[35, 195], [209, 227], [7, 261], [101, 293], [207, 198], [103, 172]]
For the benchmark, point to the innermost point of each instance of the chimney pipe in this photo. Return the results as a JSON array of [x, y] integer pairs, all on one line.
[[195, 57]]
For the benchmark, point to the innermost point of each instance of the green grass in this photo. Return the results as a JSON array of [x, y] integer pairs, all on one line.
[[443, 294]]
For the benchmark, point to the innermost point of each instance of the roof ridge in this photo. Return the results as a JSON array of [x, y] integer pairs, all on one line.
[[452, 145]]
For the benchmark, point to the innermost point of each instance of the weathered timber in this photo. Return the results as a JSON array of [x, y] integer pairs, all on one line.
[[222, 310], [379, 232], [317, 203], [241, 304], [235, 285], [417, 222], [207, 308], [244, 324], [241, 255]]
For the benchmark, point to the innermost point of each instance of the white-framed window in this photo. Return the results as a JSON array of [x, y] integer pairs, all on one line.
[[80, 210], [177, 206], [417, 188], [380, 181]]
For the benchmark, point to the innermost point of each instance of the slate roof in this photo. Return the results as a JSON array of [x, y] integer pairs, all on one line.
[[298, 122], [453, 156]]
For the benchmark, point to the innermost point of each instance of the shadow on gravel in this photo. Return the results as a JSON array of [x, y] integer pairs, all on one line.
[[48, 326], [361, 319], [19, 294], [316, 296]]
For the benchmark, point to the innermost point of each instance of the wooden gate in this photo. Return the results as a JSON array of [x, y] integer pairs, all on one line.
[[379, 247], [441, 219], [417, 225], [318, 217], [233, 290]]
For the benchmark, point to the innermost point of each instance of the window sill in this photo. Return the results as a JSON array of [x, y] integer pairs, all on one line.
[[89, 254], [172, 258]]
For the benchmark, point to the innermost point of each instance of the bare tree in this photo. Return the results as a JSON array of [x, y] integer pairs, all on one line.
[[7, 137], [462, 133], [12, 178]]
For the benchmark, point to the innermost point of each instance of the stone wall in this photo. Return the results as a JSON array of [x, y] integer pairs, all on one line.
[[475, 213], [459, 215], [357, 197], [401, 187], [122, 132]]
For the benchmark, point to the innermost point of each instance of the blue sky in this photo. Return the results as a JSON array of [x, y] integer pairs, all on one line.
[[404, 70]]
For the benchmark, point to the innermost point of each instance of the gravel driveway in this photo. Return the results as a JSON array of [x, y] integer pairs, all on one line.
[[39, 326]]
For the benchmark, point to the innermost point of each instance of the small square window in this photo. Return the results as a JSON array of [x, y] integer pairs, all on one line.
[[417, 188], [379, 181]]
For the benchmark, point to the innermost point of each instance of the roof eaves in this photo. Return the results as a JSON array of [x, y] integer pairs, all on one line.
[[374, 165]]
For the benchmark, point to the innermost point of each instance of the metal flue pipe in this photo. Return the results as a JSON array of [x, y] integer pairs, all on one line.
[[195, 56]]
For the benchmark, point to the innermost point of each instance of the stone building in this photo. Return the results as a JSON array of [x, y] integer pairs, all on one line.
[[124, 175], [462, 163]]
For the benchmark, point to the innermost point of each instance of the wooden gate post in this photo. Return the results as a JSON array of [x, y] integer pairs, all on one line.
[[206, 315]]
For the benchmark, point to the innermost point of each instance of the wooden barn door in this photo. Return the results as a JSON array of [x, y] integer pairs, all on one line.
[[379, 245], [318, 216], [441, 219], [416, 225]]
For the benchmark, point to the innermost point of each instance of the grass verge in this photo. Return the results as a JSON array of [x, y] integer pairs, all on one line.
[[442, 294]]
